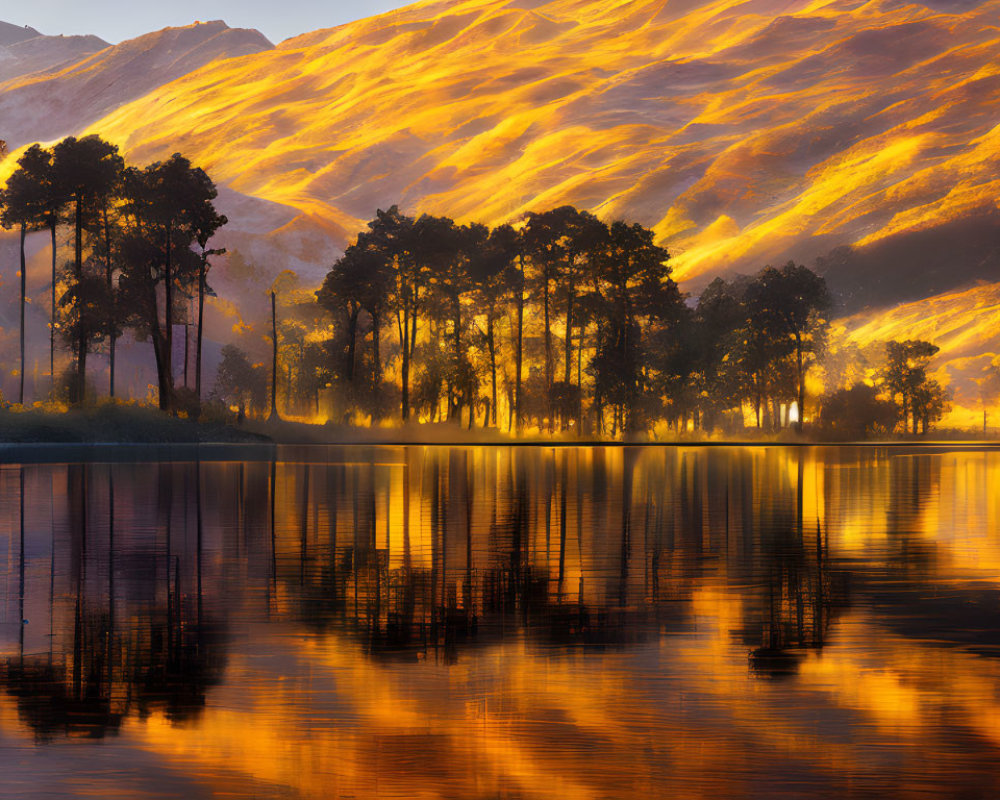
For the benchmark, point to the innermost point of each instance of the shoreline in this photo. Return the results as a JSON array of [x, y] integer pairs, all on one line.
[[129, 429]]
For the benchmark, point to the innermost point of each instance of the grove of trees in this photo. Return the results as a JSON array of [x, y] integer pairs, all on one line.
[[561, 322], [139, 244], [565, 322]]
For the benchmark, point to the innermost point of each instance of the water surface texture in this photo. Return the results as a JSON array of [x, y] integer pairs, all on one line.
[[503, 622]]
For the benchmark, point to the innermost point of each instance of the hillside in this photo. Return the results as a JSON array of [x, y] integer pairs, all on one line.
[[742, 131]]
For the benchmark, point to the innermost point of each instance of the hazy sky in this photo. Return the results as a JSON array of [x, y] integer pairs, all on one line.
[[115, 20]]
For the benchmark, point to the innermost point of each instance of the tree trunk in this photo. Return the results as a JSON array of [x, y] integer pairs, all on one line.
[[52, 311], [201, 328], [404, 340], [491, 341], [161, 372], [274, 357], [579, 382], [519, 355], [111, 299], [24, 291], [168, 328], [376, 350], [79, 390], [352, 341], [158, 342], [568, 344], [548, 335], [802, 383]]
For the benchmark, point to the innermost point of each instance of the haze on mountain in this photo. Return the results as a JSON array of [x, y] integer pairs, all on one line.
[[25, 50], [744, 132]]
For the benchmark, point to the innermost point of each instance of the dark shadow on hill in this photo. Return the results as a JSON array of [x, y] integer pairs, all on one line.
[[915, 265]]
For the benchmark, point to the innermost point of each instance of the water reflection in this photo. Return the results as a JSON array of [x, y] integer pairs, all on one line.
[[506, 622]]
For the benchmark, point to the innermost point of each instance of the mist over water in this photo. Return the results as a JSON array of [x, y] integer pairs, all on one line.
[[514, 622]]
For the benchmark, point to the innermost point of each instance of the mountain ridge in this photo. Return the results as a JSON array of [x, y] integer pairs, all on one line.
[[25, 50]]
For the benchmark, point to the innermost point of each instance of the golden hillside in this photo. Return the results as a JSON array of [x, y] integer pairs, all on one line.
[[743, 131]]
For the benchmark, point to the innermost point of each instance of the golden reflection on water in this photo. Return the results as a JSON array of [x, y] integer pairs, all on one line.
[[504, 622]]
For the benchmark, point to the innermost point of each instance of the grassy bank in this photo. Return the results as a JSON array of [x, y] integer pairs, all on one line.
[[113, 423]]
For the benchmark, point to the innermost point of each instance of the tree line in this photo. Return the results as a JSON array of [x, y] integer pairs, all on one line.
[[139, 243], [560, 322], [567, 322], [593, 332]]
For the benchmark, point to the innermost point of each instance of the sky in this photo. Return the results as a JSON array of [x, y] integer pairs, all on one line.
[[116, 20]]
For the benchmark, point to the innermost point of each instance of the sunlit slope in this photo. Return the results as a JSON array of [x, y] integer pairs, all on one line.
[[743, 131], [61, 97], [964, 324]]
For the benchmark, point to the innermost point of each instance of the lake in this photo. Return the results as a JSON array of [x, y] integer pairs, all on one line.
[[500, 622]]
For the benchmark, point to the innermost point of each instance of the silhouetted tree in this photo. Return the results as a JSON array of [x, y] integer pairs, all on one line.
[[24, 205], [166, 211], [785, 319], [715, 340], [857, 413], [87, 173], [241, 383], [492, 271], [641, 305], [401, 252], [906, 382]]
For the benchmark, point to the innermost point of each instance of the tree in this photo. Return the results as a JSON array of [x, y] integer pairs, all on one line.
[[450, 251], [641, 305], [929, 401], [785, 313], [241, 383], [206, 221], [714, 342], [905, 379], [167, 210], [87, 172], [493, 274], [394, 240], [360, 280], [23, 205], [857, 413]]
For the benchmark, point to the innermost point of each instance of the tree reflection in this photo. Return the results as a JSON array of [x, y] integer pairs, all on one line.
[[124, 638], [416, 553]]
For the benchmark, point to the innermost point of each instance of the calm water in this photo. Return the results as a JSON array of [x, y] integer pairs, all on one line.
[[503, 623]]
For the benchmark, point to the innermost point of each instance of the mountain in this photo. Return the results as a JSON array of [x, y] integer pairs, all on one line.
[[67, 95], [25, 50], [743, 131]]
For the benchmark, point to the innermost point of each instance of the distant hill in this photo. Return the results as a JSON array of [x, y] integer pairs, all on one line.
[[74, 81], [12, 34], [25, 50]]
